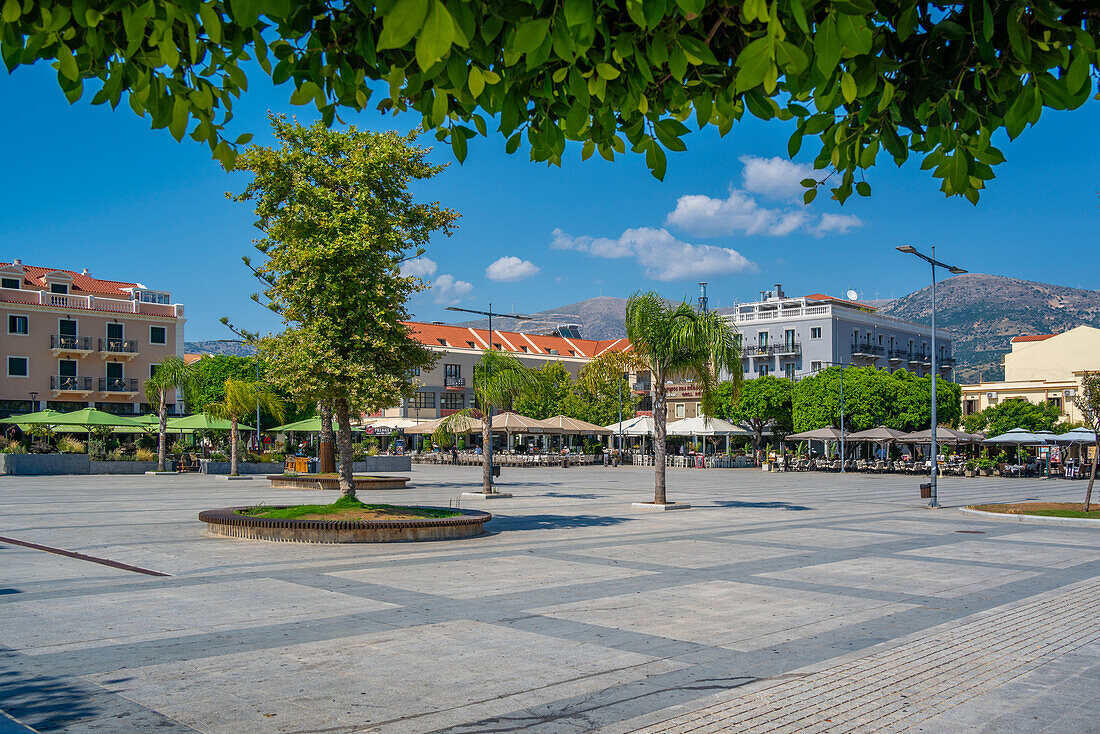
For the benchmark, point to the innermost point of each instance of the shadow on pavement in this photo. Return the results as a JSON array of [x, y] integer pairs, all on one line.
[[762, 505], [45, 702], [556, 522]]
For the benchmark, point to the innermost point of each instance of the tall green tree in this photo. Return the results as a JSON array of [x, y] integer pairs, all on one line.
[[499, 380], [1088, 402], [338, 219], [551, 386], [763, 402], [857, 80], [673, 342], [171, 374], [1016, 413], [872, 397], [241, 397]]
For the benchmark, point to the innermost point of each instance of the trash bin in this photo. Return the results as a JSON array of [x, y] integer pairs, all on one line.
[[926, 491], [564, 462]]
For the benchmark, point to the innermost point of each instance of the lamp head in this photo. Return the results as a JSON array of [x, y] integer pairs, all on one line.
[[908, 249], [957, 271]]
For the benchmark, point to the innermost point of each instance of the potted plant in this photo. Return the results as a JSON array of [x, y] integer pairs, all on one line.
[[971, 467], [985, 467]]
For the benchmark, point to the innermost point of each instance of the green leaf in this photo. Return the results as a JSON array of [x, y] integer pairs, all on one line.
[[754, 62], [458, 145], [863, 188], [475, 81], [211, 22], [887, 95], [827, 46], [987, 21], [809, 196], [578, 12], [245, 12], [959, 172], [513, 144], [178, 126], [655, 160], [11, 11], [67, 63], [854, 33], [799, 14], [1078, 72], [1017, 37], [607, 71], [435, 38], [402, 23], [530, 34], [636, 12], [848, 87]]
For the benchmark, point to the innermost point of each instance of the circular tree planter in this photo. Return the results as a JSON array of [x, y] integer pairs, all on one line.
[[228, 522], [319, 481]]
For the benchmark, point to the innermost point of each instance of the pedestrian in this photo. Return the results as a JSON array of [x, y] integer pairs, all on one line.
[[454, 455]]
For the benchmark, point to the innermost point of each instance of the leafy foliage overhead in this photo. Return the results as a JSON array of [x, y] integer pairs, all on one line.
[[859, 77]]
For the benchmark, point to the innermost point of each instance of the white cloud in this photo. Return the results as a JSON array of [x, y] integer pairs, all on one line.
[[662, 256], [776, 177], [447, 291], [737, 214], [510, 269], [838, 223], [421, 267]]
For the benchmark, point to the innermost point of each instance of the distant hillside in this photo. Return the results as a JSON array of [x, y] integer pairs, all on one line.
[[600, 318], [233, 347], [983, 313]]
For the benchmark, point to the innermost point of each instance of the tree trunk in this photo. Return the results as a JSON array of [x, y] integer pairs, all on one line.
[[659, 441], [343, 435], [1092, 477], [162, 443], [233, 438], [757, 439], [486, 437], [326, 459]]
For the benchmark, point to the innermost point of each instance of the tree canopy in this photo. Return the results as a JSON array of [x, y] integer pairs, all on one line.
[[859, 79], [594, 398], [760, 403], [1014, 413], [873, 397]]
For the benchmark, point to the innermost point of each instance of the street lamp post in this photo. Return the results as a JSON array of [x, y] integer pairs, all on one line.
[[489, 412], [934, 263]]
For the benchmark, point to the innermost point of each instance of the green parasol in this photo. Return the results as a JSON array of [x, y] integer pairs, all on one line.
[[203, 422], [308, 425], [89, 417]]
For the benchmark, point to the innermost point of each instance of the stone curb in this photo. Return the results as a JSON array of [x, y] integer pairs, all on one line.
[[1032, 518], [226, 521]]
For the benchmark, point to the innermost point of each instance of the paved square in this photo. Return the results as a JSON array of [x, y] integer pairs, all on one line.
[[798, 602]]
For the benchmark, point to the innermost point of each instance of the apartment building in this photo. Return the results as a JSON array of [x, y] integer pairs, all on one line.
[[1041, 368], [796, 337], [70, 340], [448, 387]]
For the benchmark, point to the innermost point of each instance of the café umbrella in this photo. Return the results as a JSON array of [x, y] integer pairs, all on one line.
[[203, 422]]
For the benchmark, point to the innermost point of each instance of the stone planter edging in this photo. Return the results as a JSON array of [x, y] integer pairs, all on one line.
[[383, 463], [312, 481], [1013, 517], [227, 522], [44, 464]]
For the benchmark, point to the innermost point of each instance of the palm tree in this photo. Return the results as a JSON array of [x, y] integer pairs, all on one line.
[[672, 342], [498, 380], [242, 398], [171, 374]]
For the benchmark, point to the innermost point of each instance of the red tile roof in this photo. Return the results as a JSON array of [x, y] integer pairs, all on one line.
[[1032, 337], [462, 337], [823, 297], [34, 277]]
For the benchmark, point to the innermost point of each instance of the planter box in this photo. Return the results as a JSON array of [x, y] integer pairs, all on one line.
[[40, 464], [207, 466], [969, 472], [382, 463], [127, 467]]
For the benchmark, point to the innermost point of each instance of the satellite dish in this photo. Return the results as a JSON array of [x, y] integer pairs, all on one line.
[[852, 295]]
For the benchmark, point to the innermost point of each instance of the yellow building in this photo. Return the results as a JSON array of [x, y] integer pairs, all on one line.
[[1041, 368]]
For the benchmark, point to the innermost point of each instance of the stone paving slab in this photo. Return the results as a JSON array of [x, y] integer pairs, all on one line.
[[574, 614]]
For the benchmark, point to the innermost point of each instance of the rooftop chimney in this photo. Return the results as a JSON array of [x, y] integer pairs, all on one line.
[[84, 271], [779, 291], [16, 261]]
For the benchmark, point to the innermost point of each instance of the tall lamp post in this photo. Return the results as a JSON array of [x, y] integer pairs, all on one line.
[[489, 412], [934, 263]]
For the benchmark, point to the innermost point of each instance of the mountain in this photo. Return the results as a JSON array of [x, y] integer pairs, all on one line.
[[600, 318], [983, 313], [233, 347]]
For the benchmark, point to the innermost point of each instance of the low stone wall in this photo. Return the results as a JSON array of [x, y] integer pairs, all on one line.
[[383, 463], [313, 481], [39, 464], [244, 467], [127, 467], [227, 522]]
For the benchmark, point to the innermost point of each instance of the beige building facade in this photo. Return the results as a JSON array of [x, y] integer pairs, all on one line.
[[1041, 368], [69, 340]]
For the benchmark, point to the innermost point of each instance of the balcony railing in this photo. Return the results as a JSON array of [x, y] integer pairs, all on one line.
[[867, 349], [118, 346], [641, 387], [92, 303], [71, 343], [454, 382], [118, 384], [787, 348], [70, 383], [920, 358], [753, 350], [946, 361], [899, 355]]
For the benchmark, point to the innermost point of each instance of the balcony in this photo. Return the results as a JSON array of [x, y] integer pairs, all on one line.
[[867, 349], [118, 385], [62, 384], [899, 355], [454, 383], [946, 362], [79, 346], [920, 358], [70, 302], [752, 350], [642, 387], [126, 348], [787, 349]]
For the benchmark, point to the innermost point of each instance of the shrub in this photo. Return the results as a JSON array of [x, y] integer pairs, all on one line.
[[144, 454], [217, 456], [179, 447], [68, 445], [372, 450], [118, 454], [14, 447]]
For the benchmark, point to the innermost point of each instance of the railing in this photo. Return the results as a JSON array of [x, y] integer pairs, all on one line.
[[752, 350], [899, 355], [867, 349], [74, 343], [70, 383], [946, 361], [454, 382], [788, 348], [118, 346], [822, 310], [920, 358], [92, 303], [641, 387], [118, 384]]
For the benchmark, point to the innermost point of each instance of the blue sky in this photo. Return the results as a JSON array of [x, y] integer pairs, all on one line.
[[89, 187]]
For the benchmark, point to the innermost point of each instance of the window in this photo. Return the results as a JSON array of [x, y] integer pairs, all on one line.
[[18, 324], [470, 344], [680, 410], [452, 370], [815, 366], [158, 335], [153, 370], [414, 371], [523, 348], [788, 370], [762, 339], [59, 288], [17, 367], [422, 400], [788, 338], [1056, 402], [442, 342], [153, 297], [815, 332], [764, 369], [9, 283], [114, 331], [66, 327], [114, 370], [452, 401], [880, 339], [66, 368]]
